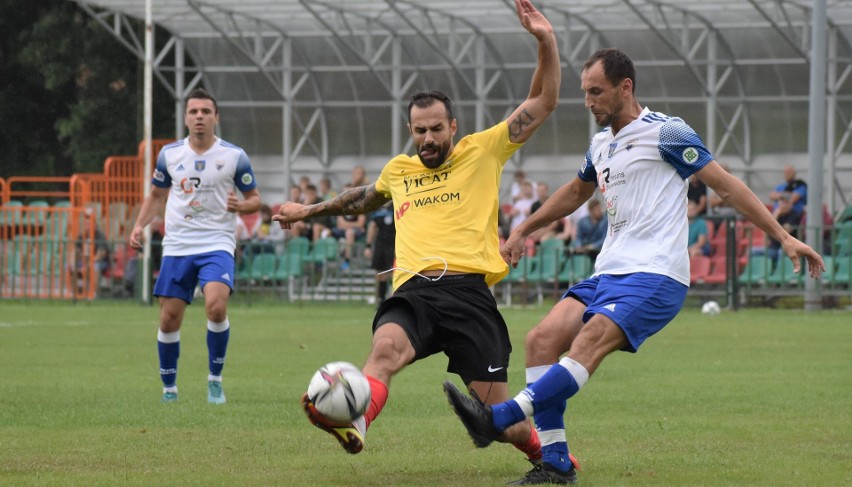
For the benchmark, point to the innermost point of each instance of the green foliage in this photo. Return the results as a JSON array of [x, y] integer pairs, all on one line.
[[73, 94], [758, 397]]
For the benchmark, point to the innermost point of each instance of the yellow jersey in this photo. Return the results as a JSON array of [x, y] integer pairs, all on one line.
[[450, 212]]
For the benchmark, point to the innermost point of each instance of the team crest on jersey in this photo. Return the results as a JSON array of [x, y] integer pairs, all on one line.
[[690, 155], [196, 206], [200, 165], [610, 206], [612, 149]]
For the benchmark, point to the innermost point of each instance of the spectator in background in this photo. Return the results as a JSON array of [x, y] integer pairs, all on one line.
[[522, 207], [350, 228], [698, 242], [789, 199], [554, 228], [325, 191], [788, 206], [304, 181], [517, 180], [591, 231], [319, 226], [91, 252], [359, 177], [381, 236], [697, 192], [268, 235], [244, 236]]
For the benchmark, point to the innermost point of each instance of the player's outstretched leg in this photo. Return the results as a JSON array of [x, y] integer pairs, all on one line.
[[350, 436], [475, 416]]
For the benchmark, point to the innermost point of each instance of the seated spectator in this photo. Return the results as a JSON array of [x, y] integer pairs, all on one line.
[[316, 227], [268, 235], [522, 207], [359, 177], [697, 192], [517, 180], [788, 200], [304, 181], [379, 249], [699, 237], [91, 251], [350, 228], [591, 231], [325, 191], [554, 229]]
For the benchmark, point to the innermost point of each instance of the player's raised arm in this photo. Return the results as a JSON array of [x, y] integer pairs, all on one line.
[[353, 201], [544, 89]]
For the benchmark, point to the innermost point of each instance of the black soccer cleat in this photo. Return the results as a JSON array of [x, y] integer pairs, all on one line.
[[474, 415], [543, 473]]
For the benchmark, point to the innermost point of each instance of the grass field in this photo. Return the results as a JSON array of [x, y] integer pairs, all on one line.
[[756, 397]]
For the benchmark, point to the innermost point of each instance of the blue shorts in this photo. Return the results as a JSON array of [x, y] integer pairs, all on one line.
[[179, 274], [641, 304]]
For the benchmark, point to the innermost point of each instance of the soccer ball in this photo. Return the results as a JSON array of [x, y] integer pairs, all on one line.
[[340, 392], [711, 308]]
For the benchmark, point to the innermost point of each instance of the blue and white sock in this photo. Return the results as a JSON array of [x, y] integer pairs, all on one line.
[[217, 345], [560, 382], [168, 348], [550, 424]]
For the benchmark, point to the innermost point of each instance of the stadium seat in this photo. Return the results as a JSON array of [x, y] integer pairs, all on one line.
[[527, 272], [582, 266], [552, 254], [325, 250], [263, 267], [845, 215], [843, 271], [718, 270], [756, 271], [783, 273], [282, 268], [699, 269], [842, 240]]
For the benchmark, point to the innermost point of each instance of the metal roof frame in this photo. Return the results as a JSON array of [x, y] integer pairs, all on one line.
[[287, 52]]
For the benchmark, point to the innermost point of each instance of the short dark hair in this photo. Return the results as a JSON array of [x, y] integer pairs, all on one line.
[[617, 65], [423, 99], [204, 95]]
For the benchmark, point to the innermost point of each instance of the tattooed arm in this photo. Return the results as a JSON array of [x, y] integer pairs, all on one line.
[[353, 201], [544, 89]]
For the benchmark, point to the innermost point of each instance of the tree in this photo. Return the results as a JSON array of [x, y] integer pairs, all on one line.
[[70, 94]]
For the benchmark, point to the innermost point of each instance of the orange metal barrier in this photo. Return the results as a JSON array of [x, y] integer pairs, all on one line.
[[36, 187], [47, 252]]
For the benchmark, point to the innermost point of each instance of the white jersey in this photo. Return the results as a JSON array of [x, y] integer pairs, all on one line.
[[197, 218], [641, 173]]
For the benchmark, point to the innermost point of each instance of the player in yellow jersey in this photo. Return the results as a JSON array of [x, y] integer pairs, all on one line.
[[445, 200]]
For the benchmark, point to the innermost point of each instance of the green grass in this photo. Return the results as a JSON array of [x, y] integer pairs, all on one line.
[[757, 397]]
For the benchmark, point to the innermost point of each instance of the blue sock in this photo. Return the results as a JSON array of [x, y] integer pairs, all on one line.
[[217, 345], [550, 424], [168, 348], [560, 382]]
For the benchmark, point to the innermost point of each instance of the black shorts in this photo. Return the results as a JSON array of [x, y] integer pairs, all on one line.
[[456, 315]]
